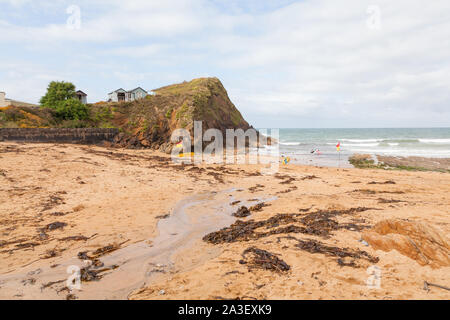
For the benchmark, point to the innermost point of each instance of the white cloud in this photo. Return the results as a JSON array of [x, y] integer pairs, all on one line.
[[147, 51], [15, 3]]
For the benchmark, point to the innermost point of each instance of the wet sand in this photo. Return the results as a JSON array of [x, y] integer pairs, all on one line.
[[141, 219]]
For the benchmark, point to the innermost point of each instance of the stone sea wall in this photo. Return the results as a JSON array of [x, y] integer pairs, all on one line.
[[58, 135]]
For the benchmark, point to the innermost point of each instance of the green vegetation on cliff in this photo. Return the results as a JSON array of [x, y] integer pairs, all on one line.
[[61, 98]]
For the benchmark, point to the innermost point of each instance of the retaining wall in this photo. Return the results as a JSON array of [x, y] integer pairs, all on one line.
[[58, 135]]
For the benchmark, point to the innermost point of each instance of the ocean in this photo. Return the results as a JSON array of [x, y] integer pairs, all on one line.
[[423, 142]]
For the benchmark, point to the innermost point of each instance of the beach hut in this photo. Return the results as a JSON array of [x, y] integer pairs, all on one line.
[[123, 95], [81, 96]]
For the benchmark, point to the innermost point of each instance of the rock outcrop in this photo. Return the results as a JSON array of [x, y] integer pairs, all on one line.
[[418, 241], [150, 122]]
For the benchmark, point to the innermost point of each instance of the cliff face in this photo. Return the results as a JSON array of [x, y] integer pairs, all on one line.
[[150, 122]]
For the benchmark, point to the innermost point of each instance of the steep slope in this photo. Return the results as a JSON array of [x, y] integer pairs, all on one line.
[[150, 122], [26, 117]]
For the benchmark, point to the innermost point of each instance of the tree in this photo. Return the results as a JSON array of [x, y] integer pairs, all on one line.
[[60, 97], [57, 91]]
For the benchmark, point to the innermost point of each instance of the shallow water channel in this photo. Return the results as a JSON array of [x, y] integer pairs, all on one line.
[[138, 264]]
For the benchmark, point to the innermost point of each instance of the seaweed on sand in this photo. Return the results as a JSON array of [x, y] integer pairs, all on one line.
[[53, 201], [312, 177], [319, 223], [87, 274], [242, 212], [385, 182], [259, 206], [52, 253], [258, 187], [245, 230], [293, 188], [92, 272], [22, 245], [49, 284], [314, 246], [322, 221], [288, 181], [107, 249], [381, 200], [217, 176], [98, 253], [262, 259], [75, 238], [53, 226]]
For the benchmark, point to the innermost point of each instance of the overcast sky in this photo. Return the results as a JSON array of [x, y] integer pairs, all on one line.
[[309, 63]]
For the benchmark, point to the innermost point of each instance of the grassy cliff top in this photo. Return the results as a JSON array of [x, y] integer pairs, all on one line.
[[192, 87]]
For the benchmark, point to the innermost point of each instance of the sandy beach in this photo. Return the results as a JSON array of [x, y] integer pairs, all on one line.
[[141, 227]]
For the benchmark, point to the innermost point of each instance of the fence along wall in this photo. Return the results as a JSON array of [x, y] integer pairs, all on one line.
[[80, 136]]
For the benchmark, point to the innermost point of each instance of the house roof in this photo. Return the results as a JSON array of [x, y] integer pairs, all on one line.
[[137, 89], [121, 89], [117, 90], [81, 93]]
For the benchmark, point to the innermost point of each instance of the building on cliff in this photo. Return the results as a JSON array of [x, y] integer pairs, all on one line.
[[123, 95], [3, 101], [81, 96]]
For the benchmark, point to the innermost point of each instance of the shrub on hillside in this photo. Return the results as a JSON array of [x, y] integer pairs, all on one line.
[[60, 97], [71, 109]]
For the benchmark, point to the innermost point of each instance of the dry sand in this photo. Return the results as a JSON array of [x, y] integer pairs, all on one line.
[[109, 197]]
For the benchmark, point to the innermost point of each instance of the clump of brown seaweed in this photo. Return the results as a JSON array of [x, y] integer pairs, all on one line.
[[92, 272], [319, 223], [258, 207], [314, 246], [256, 258], [242, 212]]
